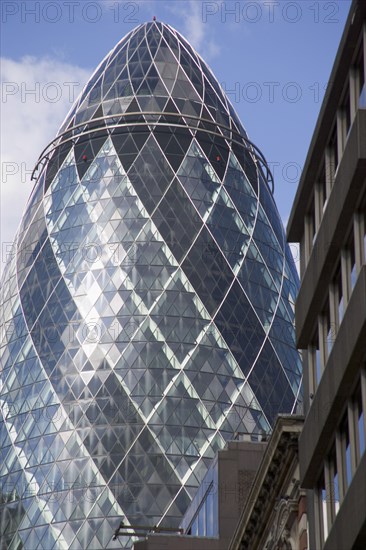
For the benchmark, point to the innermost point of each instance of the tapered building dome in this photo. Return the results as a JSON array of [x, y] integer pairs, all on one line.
[[147, 305]]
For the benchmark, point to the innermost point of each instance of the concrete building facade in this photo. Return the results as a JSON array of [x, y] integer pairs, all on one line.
[[328, 220], [257, 498], [216, 509], [274, 515]]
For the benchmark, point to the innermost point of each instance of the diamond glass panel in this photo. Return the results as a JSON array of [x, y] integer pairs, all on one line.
[[146, 308]]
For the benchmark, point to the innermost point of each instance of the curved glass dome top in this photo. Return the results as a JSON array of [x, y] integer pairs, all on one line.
[[154, 75], [148, 68], [147, 308]]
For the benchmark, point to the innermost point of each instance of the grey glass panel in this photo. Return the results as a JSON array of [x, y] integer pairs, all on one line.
[[39, 284], [240, 328], [55, 161], [177, 220], [150, 174], [150, 259], [208, 271], [270, 384]]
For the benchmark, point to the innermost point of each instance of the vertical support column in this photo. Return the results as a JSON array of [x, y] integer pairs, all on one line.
[[303, 260], [312, 373], [364, 49], [353, 435], [323, 347], [346, 275], [329, 488], [358, 233], [329, 169], [318, 517], [363, 397], [308, 237], [308, 377], [341, 133], [318, 204], [302, 522], [353, 92], [313, 523], [341, 465], [333, 311]]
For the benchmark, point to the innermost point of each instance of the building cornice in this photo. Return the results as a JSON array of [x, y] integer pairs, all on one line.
[[271, 476]]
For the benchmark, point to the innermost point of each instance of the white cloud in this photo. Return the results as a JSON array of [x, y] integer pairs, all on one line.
[[36, 95], [195, 30]]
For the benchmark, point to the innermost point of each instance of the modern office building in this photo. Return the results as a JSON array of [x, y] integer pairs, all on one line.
[[147, 306], [253, 490], [213, 514], [328, 219]]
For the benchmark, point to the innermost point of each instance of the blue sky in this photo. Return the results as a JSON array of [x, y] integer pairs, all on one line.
[[273, 57]]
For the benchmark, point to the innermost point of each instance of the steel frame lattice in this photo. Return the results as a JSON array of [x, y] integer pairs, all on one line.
[[147, 304]]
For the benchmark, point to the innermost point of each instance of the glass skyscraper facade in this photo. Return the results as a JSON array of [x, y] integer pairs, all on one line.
[[147, 305]]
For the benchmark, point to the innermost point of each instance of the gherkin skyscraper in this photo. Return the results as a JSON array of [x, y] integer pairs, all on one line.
[[147, 306]]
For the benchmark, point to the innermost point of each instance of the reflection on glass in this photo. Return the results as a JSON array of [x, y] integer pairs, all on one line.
[[148, 304], [362, 98]]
